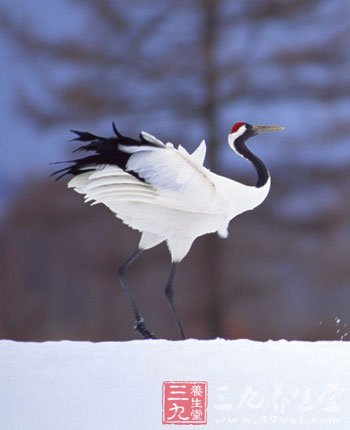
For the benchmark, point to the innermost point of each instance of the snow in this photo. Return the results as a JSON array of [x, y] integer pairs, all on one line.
[[118, 385]]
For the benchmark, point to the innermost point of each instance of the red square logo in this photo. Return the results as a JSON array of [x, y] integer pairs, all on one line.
[[185, 402]]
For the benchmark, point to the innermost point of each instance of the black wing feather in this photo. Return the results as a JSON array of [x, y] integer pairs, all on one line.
[[102, 151]]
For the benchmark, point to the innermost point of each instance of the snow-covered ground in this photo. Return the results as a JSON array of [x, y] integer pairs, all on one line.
[[118, 385]]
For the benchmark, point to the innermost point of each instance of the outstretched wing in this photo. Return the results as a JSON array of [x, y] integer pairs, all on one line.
[[121, 169], [179, 178]]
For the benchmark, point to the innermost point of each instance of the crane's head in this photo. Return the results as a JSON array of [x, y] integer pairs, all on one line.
[[243, 128], [241, 131]]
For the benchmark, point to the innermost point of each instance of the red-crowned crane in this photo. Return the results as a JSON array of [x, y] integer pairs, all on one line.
[[165, 193]]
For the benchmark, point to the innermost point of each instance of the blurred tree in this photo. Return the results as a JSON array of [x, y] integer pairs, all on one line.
[[172, 63], [179, 69]]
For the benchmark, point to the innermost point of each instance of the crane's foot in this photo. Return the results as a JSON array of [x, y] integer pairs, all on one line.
[[140, 328]]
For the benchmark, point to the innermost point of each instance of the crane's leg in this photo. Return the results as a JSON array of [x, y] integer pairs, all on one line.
[[169, 292], [139, 326]]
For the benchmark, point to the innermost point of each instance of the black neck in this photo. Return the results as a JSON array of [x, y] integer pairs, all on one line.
[[261, 169]]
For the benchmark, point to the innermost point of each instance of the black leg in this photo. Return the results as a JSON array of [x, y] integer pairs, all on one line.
[[139, 326], [169, 292]]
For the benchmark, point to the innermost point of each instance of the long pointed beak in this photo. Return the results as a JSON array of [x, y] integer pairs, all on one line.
[[262, 128]]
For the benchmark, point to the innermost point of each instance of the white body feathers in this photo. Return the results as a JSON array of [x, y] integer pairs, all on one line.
[[179, 201]]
